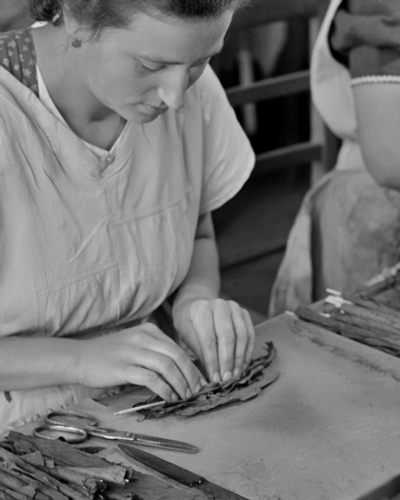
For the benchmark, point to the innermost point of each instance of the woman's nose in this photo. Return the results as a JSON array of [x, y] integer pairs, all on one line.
[[172, 90]]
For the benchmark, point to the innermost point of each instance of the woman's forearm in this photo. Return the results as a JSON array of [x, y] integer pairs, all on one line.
[[218, 332], [140, 355], [38, 362], [378, 119], [202, 280]]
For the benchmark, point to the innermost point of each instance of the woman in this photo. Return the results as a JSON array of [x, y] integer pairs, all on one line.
[[348, 228], [117, 142]]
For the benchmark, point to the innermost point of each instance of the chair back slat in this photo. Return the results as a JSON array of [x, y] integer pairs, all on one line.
[[260, 12], [264, 12], [269, 88], [288, 157]]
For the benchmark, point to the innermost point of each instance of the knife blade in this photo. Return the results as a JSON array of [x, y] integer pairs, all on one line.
[[181, 475]]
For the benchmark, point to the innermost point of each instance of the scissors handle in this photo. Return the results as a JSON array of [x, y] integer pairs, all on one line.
[[70, 434], [141, 439], [71, 418]]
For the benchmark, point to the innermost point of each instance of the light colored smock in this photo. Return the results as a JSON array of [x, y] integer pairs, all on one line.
[[348, 227], [92, 239]]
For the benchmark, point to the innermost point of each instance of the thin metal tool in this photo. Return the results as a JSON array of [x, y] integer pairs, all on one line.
[[75, 427], [181, 475]]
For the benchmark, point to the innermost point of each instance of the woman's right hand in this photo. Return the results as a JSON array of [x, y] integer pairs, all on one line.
[[142, 355]]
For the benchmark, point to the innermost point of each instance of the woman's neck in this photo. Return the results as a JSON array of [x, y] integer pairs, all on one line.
[[85, 115]]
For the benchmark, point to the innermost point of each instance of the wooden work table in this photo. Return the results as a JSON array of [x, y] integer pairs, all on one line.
[[327, 429]]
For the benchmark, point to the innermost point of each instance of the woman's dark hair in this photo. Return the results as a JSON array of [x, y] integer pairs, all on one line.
[[99, 14]]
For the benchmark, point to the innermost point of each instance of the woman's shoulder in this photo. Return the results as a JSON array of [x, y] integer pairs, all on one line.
[[208, 94], [209, 85], [18, 57]]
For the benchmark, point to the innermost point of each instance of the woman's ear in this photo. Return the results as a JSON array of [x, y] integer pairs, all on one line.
[[77, 34]]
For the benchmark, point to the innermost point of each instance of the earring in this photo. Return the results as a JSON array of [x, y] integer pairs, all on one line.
[[56, 18], [76, 43]]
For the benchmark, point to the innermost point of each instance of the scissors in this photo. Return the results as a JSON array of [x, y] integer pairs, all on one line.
[[75, 427]]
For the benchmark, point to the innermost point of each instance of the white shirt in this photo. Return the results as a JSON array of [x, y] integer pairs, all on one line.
[[92, 238]]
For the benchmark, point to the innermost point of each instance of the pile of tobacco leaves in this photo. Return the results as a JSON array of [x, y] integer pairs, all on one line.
[[39, 469], [258, 375]]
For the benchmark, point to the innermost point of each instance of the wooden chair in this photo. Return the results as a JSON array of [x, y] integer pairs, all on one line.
[[252, 234], [321, 149]]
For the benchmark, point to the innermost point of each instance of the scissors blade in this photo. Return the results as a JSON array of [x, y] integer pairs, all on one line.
[[165, 444], [142, 440]]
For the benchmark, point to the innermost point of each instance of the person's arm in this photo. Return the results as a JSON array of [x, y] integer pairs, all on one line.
[[141, 355], [202, 280], [378, 118], [368, 33], [219, 332], [30, 363]]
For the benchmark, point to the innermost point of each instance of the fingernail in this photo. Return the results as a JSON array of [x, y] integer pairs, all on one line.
[[227, 376], [198, 388], [203, 382], [174, 397], [216, 377], [189, 394], [236, 372]]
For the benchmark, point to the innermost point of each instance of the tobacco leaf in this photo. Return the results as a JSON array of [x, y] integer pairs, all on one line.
[[61, 452], [257, 376], [113, 473]]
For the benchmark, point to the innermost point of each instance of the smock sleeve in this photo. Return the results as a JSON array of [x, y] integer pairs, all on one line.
[[228, 156], [373, 41]]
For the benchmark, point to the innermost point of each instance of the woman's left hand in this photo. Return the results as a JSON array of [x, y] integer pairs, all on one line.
[[220, 333]]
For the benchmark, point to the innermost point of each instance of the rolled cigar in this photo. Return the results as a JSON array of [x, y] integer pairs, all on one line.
[[41, 496], [378, 328], [13, 482], [50, 492], [29, 485], [373, 315], [348, 330], [120, 495], [114, 473], [94, 485], [382, 282], [16, 495], [381, 309], [329, 323], [43, 474]]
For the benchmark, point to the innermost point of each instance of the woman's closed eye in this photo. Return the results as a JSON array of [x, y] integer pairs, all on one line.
[[152, 67], [157, 67]]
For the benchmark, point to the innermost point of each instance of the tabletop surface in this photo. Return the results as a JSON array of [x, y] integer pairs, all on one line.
[[327, 429]]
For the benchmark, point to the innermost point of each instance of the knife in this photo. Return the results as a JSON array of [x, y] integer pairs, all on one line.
[[181, 475]]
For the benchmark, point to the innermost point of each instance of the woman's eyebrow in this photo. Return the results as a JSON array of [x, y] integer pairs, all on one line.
[[165, 61]]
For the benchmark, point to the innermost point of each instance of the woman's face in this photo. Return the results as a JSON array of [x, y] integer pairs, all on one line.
[[142, 71]]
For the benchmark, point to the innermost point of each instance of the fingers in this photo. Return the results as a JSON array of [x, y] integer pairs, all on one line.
[[166, 369], [202, 319], [245, 337], [252, 337], [148, 378], [226, 337], [165, 357], [142, 355]]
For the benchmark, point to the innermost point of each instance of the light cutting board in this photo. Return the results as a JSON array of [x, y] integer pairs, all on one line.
[[327, 429]]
